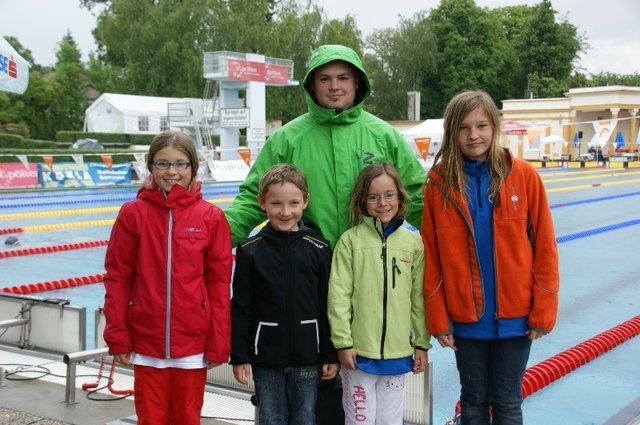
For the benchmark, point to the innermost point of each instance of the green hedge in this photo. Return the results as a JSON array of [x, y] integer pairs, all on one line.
[[12, 141]]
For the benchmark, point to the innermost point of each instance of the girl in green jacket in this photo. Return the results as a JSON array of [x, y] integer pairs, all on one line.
[[375, 303]]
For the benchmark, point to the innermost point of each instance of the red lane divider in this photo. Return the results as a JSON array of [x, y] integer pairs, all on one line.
[[31, 288], [11, 230], [54, 284], [542, 374], [53, 248]]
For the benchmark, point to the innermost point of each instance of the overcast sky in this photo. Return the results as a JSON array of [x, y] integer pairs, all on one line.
[[612, 27]]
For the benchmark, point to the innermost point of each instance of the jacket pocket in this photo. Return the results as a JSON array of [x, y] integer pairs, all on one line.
[[313, 323], [262, 329]]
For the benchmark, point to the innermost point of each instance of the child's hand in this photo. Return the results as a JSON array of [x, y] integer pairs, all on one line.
[[447, 341], [123, 359], [242, 373], [347, 358], [420, 361], [329, 371]]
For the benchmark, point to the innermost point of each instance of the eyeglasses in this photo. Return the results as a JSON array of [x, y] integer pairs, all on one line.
[[165, 165], [388, 197]]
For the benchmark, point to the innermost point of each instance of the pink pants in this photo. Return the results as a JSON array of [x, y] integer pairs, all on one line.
[[168, 396]]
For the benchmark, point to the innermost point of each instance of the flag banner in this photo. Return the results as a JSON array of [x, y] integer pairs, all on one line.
[[423, 146], [245, 154], [79, 159], [108, 160], [49, 160], [24, 160], [604, 129], [533, 136]]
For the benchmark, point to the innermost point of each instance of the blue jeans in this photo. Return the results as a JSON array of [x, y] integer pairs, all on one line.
[[491, 373], [287, 396]]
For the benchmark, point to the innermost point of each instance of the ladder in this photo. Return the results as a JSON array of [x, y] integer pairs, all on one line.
[[210, 108]]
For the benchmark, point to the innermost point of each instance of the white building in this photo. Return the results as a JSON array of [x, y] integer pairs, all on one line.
[[126, 113]]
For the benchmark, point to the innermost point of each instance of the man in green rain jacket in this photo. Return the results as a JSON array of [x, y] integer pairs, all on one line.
[[330, 144]]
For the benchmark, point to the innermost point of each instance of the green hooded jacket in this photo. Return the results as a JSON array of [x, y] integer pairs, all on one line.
[[330, 148]]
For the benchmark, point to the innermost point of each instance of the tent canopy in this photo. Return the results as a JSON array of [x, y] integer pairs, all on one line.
[[432, 128], [553, 139], [14, 69], [514, 128]]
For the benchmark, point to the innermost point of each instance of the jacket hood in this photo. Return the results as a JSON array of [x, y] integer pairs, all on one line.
[[335, 52], [177, 198]]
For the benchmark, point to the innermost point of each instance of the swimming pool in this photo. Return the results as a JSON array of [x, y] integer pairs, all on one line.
[[596, 219]]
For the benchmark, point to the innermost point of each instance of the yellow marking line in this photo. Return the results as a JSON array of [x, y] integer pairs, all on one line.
[[568, 179], [591, 186]]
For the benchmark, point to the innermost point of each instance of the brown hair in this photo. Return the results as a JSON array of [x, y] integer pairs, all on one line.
[[281, 174], [179, 141], [450, 154], [358, 205]]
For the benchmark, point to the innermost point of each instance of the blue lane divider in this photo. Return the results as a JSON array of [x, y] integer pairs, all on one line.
[[597, 230], [590, 200], [210, 192]]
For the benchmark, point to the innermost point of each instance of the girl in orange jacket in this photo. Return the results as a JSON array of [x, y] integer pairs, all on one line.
[[491, 277]]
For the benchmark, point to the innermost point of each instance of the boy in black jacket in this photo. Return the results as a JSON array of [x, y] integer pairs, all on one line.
[[279, 306]]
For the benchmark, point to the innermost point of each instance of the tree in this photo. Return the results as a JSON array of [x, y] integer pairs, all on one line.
[[157, 45], [399, 62], [472, 53], [70, 81], [547, 50]]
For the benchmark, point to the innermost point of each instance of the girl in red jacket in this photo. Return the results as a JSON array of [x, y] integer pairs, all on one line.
[[168, 270], [491, 277]]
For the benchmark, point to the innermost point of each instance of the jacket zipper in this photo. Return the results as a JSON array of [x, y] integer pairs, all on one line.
[[167, 319], [385, 296]]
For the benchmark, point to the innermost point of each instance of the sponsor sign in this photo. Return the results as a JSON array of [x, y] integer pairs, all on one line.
[[14, 70], [69, 174], [234, 117], [226, 171], [239, 70], [276, 74], [17, 175]]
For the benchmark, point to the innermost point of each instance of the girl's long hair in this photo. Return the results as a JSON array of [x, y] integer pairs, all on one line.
[[449, 157]]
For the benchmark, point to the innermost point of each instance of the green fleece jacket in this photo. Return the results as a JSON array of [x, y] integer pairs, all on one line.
[[330, 148], [376, 303]]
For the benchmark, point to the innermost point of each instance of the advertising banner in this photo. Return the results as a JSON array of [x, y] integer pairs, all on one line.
[[14, 70], [245, 71], [17, 174], [69, 174], [108, 174], [240, 70]]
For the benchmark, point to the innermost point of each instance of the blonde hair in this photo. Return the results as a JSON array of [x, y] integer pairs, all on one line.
[[358, 204], [450, 155]]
